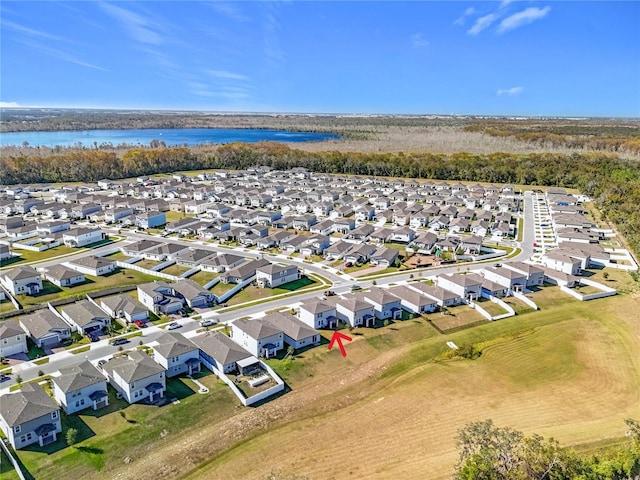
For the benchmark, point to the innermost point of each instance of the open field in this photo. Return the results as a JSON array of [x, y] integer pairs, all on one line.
[[584, 381]]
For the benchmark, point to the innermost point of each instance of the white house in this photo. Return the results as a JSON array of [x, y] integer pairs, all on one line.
[[79, 387], [535, 275], [81, 237], [385, 304], [467, 286], [21, 280], [176, 354], [29, 416], [273, 275], [296, 333], [318, 314], [258, 337], [159, 297], [13, 340], [136, 377], [508, 278], [220, 352], [355, 312], [413, 301], [562, 263], [93, 265], [63, 276]]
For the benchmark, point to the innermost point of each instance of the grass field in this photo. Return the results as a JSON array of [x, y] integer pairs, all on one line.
[[203, 277], [176, 269], [571, 374]]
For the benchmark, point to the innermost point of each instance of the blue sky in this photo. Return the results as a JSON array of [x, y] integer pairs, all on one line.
[[486, 58]]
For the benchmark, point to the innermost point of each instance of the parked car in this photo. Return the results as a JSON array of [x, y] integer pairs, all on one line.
[[94, 338], [356, 287], [207, 323], [183, 313], [173, 326], [120, 341], [329, 293], [101, 363], [140, 324]]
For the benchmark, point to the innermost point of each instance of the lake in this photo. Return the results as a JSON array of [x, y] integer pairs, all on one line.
[[188, 136]]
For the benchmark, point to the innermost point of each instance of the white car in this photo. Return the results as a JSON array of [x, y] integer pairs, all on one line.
[[207, 323], [173, 326]]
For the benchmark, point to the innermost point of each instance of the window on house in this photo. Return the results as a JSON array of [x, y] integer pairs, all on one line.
[[54, 415], [29, 436], [16, 429]]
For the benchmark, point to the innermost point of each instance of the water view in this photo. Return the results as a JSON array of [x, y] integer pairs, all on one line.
[[186, 136]]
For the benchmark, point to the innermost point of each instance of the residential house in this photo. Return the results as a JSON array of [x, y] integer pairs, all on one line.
[[159, 297], [296, 332], [402, 235], [274, 275], [81, 237], [219, 352], [318, 314], [176, 354], [337, 250], [85, 317], [467, 286], [21, 280], [80, 386], [164, 252], [193, 257], [136, 249], [93, 265], [221, 263], [360, 253], [324, 227], [442, 296], [294, 244], [353, 311], [258, 337], [125, 307], [29, 416], [63, 276], [512, 280], [243, 272], [194, 295], [413, 301], [46, 328], [13, 339], [562, 263], [385, 304], [304, 222], [136, 377], [362, 232], [147, 220], [535, 275], [384, 256]]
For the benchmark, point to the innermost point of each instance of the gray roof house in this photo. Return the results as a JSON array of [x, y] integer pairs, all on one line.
[[177, 354], [136, 377], [219, 352], [29, 416], [85, 316], [46, 328], [79, 387], [125, 306], [296, 333], [63, 276]]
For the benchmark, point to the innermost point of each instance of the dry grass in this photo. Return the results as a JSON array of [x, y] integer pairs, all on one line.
[[456, 317]]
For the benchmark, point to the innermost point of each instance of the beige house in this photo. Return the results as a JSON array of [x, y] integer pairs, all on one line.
[[13, 339]]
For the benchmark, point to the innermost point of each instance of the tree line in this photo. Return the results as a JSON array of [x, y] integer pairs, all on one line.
[[487, 452], [612, 182]]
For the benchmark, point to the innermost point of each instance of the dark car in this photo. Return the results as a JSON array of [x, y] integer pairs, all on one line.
[[120, 341], [94, 338]]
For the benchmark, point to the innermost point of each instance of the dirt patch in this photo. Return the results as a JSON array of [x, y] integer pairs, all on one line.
[[421, 260]]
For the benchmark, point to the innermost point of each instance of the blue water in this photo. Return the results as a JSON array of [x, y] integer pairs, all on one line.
[[188, 136]]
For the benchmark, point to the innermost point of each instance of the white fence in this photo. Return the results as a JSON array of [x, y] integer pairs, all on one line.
[[605, 291], [234, 290], [188, 273], [163, 265], [212, 283], [525, 299], [510, 311], [131, 266], [12, 459]]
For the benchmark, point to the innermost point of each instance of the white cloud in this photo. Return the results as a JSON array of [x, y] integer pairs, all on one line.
[[141, 28], [227, 74], [460, 20], [524, 17], [229, 10], [483, 23], [418, 40], [510, 91], [9, 105], [30, 31]]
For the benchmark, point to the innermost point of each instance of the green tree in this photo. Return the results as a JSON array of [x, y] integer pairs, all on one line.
[[71, 436]]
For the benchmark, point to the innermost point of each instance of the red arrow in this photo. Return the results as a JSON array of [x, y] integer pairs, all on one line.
[[337, 337]]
